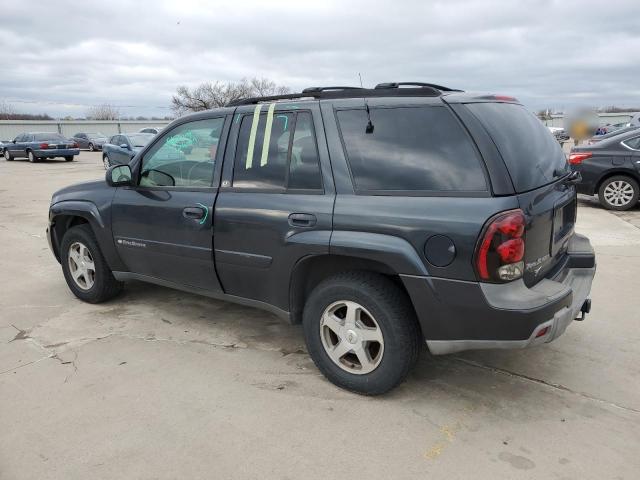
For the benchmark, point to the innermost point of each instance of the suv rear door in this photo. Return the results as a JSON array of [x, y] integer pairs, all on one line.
[[162, 226], [276, 201]]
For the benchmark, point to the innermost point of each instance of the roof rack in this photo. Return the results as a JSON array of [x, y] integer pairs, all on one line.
[[320, 93], [416, 84]]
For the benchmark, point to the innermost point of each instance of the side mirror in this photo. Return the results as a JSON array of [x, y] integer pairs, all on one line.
[[118, 176], [125, 146]]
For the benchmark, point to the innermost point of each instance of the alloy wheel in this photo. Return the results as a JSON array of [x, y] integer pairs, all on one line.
[[81, 265], [618, 193], [351, 337]]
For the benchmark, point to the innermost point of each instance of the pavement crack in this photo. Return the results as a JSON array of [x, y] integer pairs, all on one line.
[[539, 381]]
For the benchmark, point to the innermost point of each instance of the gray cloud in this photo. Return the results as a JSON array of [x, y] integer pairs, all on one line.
[[548, 53]]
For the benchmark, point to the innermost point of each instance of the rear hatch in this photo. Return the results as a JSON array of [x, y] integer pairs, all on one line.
[[538, 169]]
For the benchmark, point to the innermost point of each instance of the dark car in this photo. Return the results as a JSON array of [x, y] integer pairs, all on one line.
[[121, 148], [610, 169], [39, 146], [598, 138], [92, 141], [379, 218]]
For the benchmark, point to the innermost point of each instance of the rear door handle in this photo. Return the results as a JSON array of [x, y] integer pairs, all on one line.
[[302, 220]]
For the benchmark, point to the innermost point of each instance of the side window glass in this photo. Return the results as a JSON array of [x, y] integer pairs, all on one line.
[[184, 157], [262, 150], [304, 167], [633, 143]]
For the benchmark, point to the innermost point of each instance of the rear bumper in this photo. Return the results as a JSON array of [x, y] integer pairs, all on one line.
[[57, 152], [460, 315]]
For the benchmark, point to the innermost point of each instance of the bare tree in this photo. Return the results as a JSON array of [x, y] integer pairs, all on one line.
[[103, 112], [6, 112], [218, 94]]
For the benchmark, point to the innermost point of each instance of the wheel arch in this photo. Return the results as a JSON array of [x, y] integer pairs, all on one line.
[[309, 271], [69, 213], [614, 173]]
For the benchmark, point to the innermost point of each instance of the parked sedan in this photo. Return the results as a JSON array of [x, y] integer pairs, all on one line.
[[92, 141], [120, 149], [600, 138], [610, 169], [40, 145], [154, 130]]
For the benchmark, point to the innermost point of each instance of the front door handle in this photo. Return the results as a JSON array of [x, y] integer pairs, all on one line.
[[196, 213], [302, 220]]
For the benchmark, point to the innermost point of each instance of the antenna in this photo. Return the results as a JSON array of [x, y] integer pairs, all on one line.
[[369, 128]]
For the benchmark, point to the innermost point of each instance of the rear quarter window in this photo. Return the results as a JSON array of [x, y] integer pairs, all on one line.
[[530, 152], [411, 149]]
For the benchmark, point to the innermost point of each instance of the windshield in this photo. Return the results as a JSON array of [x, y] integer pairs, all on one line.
[[140, 139], [531, 153], [38, 137]]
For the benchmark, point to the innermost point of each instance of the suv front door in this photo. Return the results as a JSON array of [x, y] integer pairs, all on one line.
[[276, 201], [162, 226]]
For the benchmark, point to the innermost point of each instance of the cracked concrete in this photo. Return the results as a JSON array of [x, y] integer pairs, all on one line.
[[163, 384]]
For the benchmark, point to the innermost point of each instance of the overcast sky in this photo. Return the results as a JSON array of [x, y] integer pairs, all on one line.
[[135, 53]]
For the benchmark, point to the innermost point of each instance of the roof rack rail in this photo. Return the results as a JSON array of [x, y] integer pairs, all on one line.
[[416, 84], [320, 93], [328, 89]]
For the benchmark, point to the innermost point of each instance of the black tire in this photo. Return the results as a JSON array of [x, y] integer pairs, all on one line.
[[91, 147], [7, 155], [105, 286], [394, 315], [32, 157], [608, 187], [68, 158]]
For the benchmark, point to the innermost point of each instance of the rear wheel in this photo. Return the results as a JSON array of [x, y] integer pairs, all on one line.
[[7, 155], [619, 193], [31, 156], [361, 332], [68, 158], [85, 269]]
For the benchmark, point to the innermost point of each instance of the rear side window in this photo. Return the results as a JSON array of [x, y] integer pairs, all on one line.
[[277, 151], [633, 143], [410, 149], [38, 137], [529, 150]]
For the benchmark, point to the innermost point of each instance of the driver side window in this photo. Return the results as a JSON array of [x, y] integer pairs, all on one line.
[[184, 157]]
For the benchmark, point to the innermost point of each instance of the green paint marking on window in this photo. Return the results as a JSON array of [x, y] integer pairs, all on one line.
[[238, 117], [252, 136], [286, 121], [267, 135]]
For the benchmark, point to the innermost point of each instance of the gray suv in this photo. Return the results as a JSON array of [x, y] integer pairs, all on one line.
[[383, 219]]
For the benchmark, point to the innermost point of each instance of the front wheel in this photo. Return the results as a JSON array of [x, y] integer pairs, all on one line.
[[106, 162], [618, 193], [7, 155], [361, 332], [85, 269], [91, 147]]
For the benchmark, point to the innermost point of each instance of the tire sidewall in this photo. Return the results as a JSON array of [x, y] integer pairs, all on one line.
[[630, 181], [32, 157], [91, 147], [384, 377], [83, 235], [7, 155]]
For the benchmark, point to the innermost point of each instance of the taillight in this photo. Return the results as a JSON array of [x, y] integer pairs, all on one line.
[[74, 145], [577, 157], [43, 146], [500, 251]]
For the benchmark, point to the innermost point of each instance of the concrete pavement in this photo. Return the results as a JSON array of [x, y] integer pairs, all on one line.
[[163, 384]]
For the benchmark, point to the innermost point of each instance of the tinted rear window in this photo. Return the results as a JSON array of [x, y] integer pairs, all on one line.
[[530, 151], [410, 149], [48, 136]]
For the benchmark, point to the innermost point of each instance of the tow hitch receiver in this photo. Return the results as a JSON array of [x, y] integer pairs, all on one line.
[[586, 308]]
